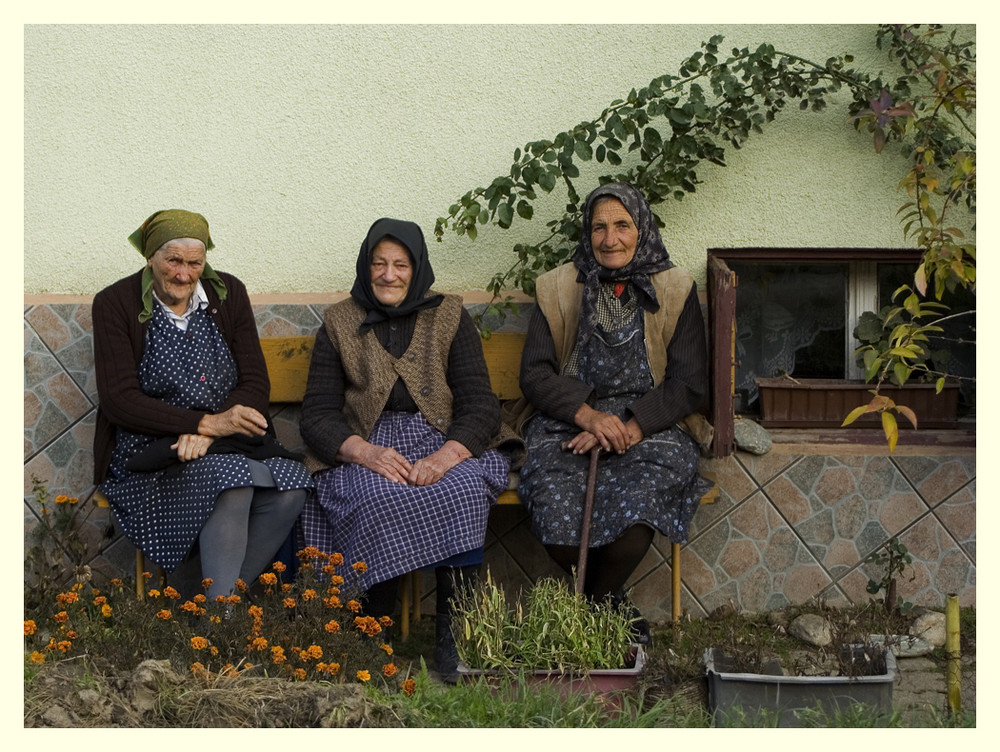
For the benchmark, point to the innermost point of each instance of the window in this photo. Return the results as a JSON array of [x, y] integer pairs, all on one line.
[[788, 311]]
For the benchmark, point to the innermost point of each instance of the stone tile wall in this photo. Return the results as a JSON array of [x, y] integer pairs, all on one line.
[[787, 527]]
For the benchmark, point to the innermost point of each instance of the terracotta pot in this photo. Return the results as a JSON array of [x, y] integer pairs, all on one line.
[[821, 403], [601, 681]]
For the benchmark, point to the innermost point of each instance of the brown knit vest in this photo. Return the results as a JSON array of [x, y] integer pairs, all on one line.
[[371, 370]]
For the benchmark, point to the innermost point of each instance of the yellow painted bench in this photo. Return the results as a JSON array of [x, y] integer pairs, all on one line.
[[288, 368]]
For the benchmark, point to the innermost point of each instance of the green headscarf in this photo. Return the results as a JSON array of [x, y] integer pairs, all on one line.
[[163, 226]]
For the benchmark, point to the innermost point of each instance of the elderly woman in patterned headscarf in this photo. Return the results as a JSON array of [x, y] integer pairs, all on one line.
[[183, 449], [615, 356], [400, 421]]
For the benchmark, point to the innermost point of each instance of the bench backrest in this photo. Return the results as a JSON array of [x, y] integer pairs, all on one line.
[[288, 364]]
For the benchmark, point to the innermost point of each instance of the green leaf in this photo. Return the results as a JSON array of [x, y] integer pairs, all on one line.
[[583, 150], [505, 215], [524, 209]]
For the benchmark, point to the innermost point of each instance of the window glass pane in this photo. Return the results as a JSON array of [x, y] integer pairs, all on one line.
[[789, 320]]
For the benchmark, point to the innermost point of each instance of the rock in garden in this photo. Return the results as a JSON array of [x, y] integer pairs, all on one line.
[[148, 679], [751, 437], [931, 627], [812, 629]]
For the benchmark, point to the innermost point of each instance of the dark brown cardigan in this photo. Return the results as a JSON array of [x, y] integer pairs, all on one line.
[[119, 339]]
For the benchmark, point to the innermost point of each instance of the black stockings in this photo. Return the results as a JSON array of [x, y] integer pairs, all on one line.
[[608, 567]]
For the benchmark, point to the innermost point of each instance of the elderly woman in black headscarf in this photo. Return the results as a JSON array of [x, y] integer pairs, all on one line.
[[400, 419], [615, 356], [183, 449]]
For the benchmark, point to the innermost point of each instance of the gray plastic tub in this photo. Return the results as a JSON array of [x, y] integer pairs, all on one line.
[[781, 696]]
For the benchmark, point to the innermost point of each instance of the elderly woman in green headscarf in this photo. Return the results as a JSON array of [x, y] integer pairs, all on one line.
[[183, 448]]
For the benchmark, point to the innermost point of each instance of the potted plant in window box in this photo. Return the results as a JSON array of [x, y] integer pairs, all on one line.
[[894, 351], [556, 637]]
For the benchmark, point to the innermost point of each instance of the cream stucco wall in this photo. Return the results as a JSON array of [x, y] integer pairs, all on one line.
[[293, 139]]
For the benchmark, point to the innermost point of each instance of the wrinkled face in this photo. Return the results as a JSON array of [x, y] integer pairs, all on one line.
[[392, 270], [177, 265], [613, 234]]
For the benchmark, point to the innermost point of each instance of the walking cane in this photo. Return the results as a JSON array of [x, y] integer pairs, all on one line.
[[588, 513]]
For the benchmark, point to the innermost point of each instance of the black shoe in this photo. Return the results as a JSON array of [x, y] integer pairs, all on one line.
[[445, 652], [641, 632]]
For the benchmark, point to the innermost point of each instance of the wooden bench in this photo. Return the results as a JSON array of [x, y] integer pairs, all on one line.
[[288, 368]]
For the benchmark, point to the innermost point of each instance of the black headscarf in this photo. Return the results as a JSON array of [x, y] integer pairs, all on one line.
[[650, 255], [411, 237]]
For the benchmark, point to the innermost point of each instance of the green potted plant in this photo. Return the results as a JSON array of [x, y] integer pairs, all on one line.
[[554, 636]]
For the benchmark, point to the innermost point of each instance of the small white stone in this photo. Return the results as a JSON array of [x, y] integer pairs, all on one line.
[[930, 627], [812, 629]]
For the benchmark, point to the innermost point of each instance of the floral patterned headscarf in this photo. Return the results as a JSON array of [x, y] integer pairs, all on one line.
[[650, 255]]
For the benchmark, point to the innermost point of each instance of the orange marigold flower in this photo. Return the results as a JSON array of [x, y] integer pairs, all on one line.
[[171, 593], [278, 654], [286, 588], [364, 676], [116, 581], [147, 575], [387, 648], [315, 651], [241, 586], [200, 598], [100, 600], [308, 594], [153, 593], [215, 619], [164, 614], [256, 612], [336, 580], [278, 566], [333, 591], [105, 610], [259, 643], [331, 626], [247, 666], [333, 668], [29, 627], [71, 634], [197, 668], [389, 669], [213, 650], [359, 566], [309, 552], [354, 606], [328, 569], [408, 686], [299, 673], [190, 607], [37, 657], [288, 603], [64, 645], [332, 602], [64, 599], [233, 599], [229, 670], [207, 583], [336, 559], [385, 621], [199, 643], [61, 617], [268, 578], [61, 499]]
